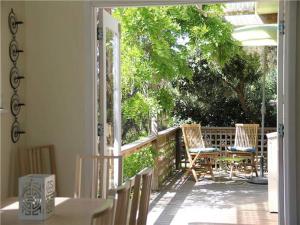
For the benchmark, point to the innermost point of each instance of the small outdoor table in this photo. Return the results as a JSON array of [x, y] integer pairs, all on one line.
[[68, 211], [229, 160]]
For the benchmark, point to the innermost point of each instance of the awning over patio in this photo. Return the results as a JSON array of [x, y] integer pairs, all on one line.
[[257, 35]]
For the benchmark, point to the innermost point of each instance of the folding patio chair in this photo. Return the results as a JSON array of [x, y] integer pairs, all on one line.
[[245, 146], [199, 156]]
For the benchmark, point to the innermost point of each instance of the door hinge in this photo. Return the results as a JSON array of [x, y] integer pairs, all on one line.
[[100, 130], [99, 33], [281, 27], [281, 130]]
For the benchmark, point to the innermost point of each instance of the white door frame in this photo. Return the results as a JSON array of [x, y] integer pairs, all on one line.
[[280, 109], [0, 100], [288, 195], [93, 13], [139, 3], [289, 113]]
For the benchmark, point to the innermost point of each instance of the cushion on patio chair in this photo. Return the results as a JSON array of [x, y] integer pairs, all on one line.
[[203, 150], [242, 149]]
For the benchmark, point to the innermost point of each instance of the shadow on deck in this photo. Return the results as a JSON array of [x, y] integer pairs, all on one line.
[[207, 202]]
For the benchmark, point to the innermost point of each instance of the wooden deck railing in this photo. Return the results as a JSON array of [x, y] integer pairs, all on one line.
[[168, 144]]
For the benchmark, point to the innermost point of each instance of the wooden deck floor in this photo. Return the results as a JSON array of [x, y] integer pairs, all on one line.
[[207, 202]]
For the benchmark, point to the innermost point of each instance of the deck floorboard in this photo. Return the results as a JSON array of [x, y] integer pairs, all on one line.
[[207, 202]]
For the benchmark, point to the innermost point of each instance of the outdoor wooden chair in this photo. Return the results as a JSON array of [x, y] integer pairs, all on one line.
[[245, 147], [38, 160], [100, 165], [196, 150]]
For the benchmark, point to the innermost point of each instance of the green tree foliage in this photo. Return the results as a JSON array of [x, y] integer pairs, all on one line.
[[181, 63], [138, 161], [228, 96], [155, 47]]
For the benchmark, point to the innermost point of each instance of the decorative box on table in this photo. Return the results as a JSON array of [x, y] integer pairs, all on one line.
[[36, 196]]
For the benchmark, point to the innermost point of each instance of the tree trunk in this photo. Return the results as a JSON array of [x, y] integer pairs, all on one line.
[[243, 103]]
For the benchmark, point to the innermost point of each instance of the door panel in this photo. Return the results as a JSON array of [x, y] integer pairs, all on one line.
[[109, 100], [109, 117]]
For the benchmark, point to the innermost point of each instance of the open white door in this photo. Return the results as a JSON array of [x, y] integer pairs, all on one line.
[[109, 101], [109, 93]]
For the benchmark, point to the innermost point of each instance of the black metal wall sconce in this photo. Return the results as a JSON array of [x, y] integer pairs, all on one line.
[[15, 105], [14, 51], [13, 22], [16, 132], [15, 77]]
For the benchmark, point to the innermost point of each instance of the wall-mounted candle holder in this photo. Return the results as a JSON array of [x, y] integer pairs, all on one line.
[[14, 51], [16, 132], [15, 77], [13, 22], [15, 105]]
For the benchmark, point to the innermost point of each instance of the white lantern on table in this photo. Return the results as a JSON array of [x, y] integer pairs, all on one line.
[[36, 196]]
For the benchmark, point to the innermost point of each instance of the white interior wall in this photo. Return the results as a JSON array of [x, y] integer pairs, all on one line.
[[9, 163], [56, 38], [59, 85]]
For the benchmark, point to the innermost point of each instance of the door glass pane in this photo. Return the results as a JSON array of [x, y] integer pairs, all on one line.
[[110, 74]]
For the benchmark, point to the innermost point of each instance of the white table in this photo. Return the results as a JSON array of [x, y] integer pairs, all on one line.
[[68, 211]]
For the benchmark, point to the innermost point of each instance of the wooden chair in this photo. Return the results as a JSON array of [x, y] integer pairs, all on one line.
[[103, 217], [136, 182], [122, 204], [146, 178], [132, 199], [196, 150], [100, 166], [38, 160], [245, 146]]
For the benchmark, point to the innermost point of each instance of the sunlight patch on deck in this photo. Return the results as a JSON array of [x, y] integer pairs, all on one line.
[[208, 202]]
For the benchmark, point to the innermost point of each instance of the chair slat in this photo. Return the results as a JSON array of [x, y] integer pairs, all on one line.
[[100, 167], [136, 185], [103, 217], [122, 205], [146, 177], [35, 160]]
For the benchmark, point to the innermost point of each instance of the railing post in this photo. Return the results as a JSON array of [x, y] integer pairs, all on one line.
[[120, 167], [155, 179], [178, 149], [154, 131], [154, 127]]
